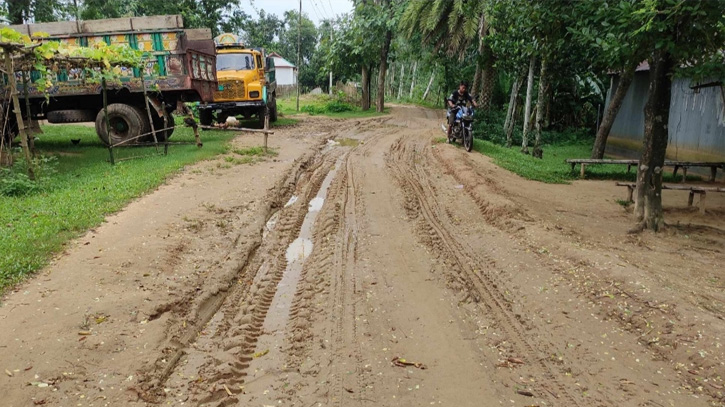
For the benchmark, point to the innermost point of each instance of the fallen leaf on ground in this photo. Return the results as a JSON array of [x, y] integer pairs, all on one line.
[[84, 332], [516, 360], [525, 393], [9, 373], [397, 361], [260, 354]]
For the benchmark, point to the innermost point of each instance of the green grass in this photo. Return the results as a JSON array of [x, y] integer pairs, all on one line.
[[84, 188], [321, 105], [552, 168]]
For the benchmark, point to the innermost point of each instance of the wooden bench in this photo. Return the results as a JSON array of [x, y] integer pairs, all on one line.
[[693, 189], [583, 162]]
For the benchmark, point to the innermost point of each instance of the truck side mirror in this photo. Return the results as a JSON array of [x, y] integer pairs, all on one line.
[[268, 64]]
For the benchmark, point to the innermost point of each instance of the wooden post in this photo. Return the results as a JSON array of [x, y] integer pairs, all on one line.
[[266, 128], [29, 127], [690, 198], [630, 193], [684, 174], [18, 112], [582, 170], [108, 123], [702, 202], [148, 112]]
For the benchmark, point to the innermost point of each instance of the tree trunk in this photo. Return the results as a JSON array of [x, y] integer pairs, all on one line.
[[648, 203], [511, 114], [488, 79], [365, 88], [476, 88], [527, 106], [430, 82], [18, 11], [400, 84], [412, 80], [391, 79], [541, 103], [615, 103], [383, 69]]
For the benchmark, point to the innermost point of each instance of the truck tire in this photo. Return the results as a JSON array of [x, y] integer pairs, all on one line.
[[70, 116], [158, 125], [126, 123], [273, 110], [205, 117]]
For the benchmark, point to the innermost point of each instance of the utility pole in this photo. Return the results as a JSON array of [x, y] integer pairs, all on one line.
[[299, 53], [330, 90]]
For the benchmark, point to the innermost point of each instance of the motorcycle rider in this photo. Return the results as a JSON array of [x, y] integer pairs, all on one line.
[[458, 99]]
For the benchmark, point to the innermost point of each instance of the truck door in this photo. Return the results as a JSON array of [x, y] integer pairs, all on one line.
[[260, 69]]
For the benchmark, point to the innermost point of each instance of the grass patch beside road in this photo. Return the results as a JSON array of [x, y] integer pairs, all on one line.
[[83, 188], [324, 105], [552, 169]]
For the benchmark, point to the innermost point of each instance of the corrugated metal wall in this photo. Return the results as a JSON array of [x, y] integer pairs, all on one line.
[[696, 123]]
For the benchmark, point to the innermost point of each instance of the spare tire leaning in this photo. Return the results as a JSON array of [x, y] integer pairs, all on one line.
[[70, 116], [126, 124]]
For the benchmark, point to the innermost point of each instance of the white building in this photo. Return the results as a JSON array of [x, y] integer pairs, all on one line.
[[286, 72]]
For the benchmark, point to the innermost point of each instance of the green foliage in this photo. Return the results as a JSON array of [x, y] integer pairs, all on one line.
[[83, 190], [254, 151], [101, 61]]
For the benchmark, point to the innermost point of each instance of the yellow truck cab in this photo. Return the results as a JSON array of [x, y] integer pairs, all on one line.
[[246, 83]]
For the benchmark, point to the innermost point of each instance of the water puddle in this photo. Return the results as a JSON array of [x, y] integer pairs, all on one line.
[[316, 204], [298, 250], [291, 201]]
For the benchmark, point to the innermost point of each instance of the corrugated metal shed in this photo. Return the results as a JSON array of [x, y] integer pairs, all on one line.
[[696, 122]]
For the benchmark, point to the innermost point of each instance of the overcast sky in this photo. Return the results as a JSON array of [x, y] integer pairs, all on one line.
[[317, 10]]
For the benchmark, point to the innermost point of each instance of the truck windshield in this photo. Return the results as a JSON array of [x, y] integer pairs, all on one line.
[[234, 62]]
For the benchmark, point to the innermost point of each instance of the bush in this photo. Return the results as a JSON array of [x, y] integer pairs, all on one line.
[[14, 181], [333, 106], [489, 126]]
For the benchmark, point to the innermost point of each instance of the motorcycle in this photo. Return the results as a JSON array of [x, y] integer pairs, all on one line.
[[462, 126]]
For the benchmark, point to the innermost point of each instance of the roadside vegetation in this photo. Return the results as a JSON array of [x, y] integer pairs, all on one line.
[[77, 188], [336, 106]]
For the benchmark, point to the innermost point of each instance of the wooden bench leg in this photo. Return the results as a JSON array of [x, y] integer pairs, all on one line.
[[583, 169], [573, 166], [702, 202], [674, 173], [713, 173], [629, 168], [691, 198], [684, 174], [630, 193]]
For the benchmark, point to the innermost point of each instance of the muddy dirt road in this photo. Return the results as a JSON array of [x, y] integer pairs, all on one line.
[[367, 265]]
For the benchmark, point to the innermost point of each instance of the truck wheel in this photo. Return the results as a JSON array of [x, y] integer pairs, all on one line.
[[273, 110], [70, 116], [261, 113], [126, 124], [205, 117], [159, 124]]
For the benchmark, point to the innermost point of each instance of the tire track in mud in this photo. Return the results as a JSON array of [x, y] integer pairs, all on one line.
[[331, 271], [235, 340], [241, 267], [649, 316], [421, 203]]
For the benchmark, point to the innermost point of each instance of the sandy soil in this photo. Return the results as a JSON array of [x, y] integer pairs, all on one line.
[[378, 269]]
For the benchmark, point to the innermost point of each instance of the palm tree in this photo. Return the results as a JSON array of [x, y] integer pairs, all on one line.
[[453, 26]]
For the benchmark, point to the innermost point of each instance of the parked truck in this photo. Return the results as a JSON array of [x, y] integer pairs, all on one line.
[[179, 65], [247, 85]]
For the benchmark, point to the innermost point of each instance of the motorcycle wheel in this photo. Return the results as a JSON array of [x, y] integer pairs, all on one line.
[[468, 139]]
